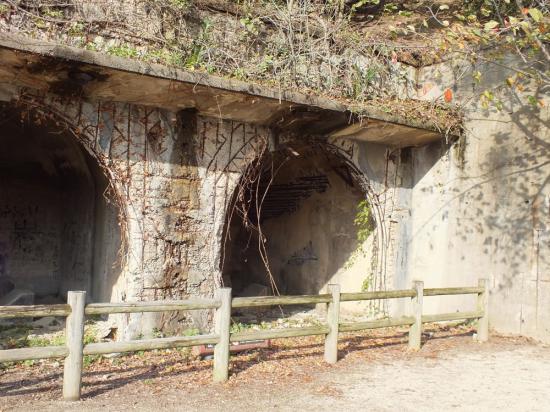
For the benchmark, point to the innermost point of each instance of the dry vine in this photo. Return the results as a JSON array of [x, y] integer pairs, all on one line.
[[312, 46], [249, 183]]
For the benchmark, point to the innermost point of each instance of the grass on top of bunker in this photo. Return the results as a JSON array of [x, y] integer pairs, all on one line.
[[132, 381]]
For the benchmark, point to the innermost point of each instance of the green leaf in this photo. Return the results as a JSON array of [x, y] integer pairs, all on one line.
[[488, 95], [535, 14], [477, 32], [525, 25], [532, 100], [490, 25], [361, 3]]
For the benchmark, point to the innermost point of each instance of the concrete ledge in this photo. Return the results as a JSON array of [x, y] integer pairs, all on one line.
[[78, 73]]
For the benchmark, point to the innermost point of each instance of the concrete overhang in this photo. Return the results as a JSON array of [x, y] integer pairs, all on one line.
[[75, 72]]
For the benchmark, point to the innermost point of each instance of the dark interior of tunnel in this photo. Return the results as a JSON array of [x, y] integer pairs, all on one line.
[[58, 231], [304, 226]]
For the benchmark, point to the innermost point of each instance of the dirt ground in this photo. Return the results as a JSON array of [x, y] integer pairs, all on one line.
[[375, 372]]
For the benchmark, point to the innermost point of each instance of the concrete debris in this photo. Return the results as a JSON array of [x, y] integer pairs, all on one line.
[[104, 329]]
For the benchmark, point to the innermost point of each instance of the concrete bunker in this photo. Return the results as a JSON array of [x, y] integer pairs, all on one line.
[[291, 227], [58, 230]]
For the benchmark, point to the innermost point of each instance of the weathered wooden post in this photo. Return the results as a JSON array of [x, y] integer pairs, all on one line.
[[415, 332], [74, 334], [482, 334], [333, 319], [222, 323]]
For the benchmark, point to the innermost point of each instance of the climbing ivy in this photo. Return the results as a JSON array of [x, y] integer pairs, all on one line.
[[363, 221], [364, 224]]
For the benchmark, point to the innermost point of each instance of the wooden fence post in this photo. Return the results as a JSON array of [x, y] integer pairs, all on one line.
[[415, 332], [222, 323], [483, 305], [333, 319], [74, 334]]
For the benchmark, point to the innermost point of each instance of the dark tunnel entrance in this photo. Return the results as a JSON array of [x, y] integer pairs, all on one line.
[[297, 219], [58, 231]]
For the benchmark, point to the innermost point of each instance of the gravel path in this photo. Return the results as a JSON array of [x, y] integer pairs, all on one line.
[[504, 380], [453, 373]]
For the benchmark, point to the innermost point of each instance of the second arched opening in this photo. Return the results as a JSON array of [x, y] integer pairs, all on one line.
[[298, 221]]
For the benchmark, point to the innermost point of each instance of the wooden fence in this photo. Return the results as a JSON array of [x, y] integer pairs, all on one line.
[[76, 310]]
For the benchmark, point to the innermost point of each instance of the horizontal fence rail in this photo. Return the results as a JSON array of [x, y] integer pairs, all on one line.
[[452, 291], [376, 324], [160, 306], [76, 310], [149, 344], [279, 333], [33, 311], [23, 354], [444, 317], [390, 294], [252, 302]]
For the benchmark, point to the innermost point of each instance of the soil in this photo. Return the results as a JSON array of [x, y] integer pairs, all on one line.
[[375, 372]]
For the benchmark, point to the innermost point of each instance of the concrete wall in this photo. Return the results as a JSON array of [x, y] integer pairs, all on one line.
[[29, 255], [445, 213], [172, 175], [308, 247], [485, 213], [57, 230], [47, 209], [106, 264], [311, 247], [481, 207]]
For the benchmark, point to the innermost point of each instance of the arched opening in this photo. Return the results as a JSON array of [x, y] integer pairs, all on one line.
[[58, 231], [292, 226]]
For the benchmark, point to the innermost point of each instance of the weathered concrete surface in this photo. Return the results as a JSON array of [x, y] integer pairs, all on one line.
[[51, 196], [308, 222], [49, 66], [481, 207], [446, 213], [173, 176]]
